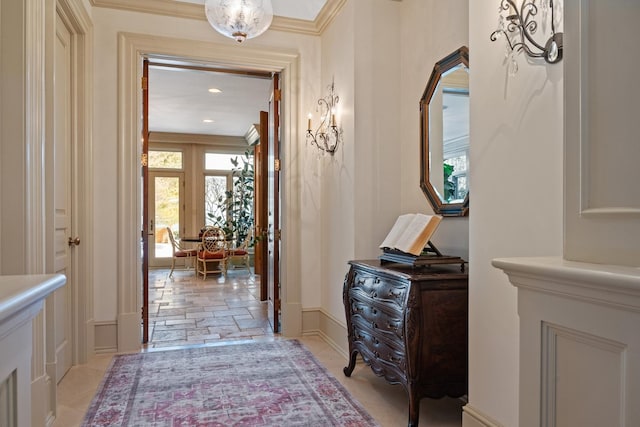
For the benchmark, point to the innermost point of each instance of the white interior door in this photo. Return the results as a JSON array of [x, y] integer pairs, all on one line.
[[64, 239]]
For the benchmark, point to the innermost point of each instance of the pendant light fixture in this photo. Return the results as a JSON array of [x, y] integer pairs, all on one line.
[[239, 19]]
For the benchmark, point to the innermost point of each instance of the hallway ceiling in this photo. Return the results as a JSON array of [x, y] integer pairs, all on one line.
[[179, 100], [298, 9]]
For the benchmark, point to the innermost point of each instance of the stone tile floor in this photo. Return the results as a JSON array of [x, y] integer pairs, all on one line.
[[186, 310]]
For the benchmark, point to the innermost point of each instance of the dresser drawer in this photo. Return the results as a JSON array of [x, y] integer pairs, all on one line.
[[376, 349], [380, 288], [379, 317]]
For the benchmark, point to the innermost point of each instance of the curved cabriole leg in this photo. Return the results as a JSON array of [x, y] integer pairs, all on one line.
[[352, 364], [414, 408]]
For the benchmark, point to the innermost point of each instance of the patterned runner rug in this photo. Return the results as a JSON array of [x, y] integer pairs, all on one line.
[[276, 383]]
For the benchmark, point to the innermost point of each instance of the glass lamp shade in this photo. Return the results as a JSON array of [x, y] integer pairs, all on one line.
[[239, 19]]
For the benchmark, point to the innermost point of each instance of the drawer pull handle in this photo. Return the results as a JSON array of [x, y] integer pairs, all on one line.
[[374, 311], [374, 325], [374, 294], [397, 294], [376, 280]]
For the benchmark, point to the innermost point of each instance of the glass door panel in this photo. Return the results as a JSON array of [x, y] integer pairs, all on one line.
[[215, 188], [166, 210]]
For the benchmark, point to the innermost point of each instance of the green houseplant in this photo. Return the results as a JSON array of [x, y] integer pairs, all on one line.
[[234, 211]]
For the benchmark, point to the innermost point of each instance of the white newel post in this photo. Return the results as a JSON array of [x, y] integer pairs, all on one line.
[[579, 342]]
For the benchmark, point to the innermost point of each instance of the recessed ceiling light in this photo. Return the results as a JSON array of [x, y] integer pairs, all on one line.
[[207, 121], [214, 90]]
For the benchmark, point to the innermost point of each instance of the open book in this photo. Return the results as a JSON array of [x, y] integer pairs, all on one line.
[[411, 233]]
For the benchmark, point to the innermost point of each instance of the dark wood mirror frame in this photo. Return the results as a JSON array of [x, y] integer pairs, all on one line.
[[460, 56]]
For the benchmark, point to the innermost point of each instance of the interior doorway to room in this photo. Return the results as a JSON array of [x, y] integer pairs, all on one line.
[[183, 191]]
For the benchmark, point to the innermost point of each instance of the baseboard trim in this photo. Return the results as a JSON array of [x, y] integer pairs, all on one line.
[[105, 337], [316, 321], [90, 342], [291, 319], [472, 417], [41, 400], [129, 332]]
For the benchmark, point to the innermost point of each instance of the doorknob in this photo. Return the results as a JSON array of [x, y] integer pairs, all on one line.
[[74, 242]]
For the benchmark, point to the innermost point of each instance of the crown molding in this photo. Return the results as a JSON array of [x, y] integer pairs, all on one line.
[[157, 7], [195, 11], [327, 14]]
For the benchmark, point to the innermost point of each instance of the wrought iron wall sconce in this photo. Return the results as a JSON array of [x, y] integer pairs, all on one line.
[[328, 135], [519, 26]]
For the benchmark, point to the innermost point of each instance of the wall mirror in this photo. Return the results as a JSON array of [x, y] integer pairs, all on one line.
[[444, 140]]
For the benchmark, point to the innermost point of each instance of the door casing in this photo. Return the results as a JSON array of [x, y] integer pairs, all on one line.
[[132, 47]]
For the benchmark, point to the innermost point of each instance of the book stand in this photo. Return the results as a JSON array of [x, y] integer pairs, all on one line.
[[430, 255]]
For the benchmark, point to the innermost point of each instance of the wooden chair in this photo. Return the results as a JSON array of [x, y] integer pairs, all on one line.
[[178, 251], [240, 254], [213, 250]]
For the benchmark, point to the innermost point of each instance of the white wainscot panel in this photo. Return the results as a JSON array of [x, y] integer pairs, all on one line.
[[21, 299], [579, 342]]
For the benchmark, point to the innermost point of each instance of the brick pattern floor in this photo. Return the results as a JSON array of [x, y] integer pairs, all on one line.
[[186, 310]]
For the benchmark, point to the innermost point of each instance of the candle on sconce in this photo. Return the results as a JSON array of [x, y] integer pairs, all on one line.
[[327, 135]]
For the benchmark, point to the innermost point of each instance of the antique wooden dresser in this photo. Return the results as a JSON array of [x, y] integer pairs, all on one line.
[[410, 325]]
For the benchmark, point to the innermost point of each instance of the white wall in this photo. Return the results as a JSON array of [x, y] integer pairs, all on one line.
[[360, 195], [430, 30], [337, 180], [13, 138], [516, 208]]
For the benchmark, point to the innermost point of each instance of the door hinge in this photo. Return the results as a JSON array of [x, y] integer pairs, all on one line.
[[277, 304], [144, 160], [144, 82], [276, 165], [277, 235], [277, 94]]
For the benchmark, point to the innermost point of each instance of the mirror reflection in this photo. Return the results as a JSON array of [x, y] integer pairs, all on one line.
[[445, 135], [449, 136]]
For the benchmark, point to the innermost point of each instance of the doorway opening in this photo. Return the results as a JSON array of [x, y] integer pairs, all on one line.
[[190, 176], [132, 49]]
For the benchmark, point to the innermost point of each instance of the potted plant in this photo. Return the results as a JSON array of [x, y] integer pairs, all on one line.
[[234, 213]]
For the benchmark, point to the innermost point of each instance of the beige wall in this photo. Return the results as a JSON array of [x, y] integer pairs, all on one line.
[[516, 208]]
